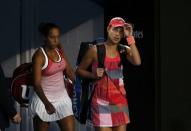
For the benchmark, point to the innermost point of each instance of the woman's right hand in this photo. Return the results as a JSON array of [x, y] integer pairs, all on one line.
[[100, 72], [50, 108]]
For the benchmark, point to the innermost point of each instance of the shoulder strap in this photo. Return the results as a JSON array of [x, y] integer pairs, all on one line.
[[101, 55], [46, 58], [101, 58]]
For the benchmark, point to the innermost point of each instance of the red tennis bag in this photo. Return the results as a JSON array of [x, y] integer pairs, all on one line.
[[22, 84]]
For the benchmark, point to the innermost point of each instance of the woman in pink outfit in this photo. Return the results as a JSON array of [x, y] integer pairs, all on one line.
[[109, 105], [50, 101]]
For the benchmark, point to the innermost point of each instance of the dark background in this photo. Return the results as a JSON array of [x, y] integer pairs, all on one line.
[[159, 90]]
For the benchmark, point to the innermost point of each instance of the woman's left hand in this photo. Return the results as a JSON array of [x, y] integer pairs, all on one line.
[[128, 30]]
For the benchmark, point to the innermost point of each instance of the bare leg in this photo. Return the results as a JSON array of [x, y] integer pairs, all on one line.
[[67, 123], [103, 129], [40, 125], [120, 128]]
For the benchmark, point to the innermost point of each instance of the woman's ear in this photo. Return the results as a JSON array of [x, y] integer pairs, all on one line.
[[108, 28]]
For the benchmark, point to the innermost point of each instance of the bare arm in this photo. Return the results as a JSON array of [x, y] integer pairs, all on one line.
[[69, 71], [38, 61], [133, 55], [87, 60], [132, 52]]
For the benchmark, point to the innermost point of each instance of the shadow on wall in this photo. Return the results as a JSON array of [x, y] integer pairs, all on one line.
[[79, 21], [17, 26], [68, 14]]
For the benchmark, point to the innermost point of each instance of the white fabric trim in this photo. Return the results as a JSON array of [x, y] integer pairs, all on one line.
[[46, 59], [58, 56]]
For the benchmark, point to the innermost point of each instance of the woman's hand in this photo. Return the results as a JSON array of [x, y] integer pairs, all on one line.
[[17, 118], [50, 108], [128, 30], [100, 72]]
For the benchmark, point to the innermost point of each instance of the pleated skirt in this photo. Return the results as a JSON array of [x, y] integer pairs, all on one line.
[[63, 109]]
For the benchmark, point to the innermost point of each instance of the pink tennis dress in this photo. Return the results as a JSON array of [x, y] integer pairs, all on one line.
[[52, 83], [109, 105]]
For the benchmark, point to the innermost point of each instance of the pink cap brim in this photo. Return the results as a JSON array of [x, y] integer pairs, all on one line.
[[118, 25]]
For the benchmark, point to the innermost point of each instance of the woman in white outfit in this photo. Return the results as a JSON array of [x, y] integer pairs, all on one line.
[[50, 101]]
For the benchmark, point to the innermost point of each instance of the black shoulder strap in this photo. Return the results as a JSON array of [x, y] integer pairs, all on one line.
[[101, 55], [101, 58], [84, 46]]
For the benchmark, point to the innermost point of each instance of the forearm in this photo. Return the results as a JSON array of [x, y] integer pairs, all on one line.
[[132, 53], [86, 74], [135, 56], [70, 74], [40, 93]]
